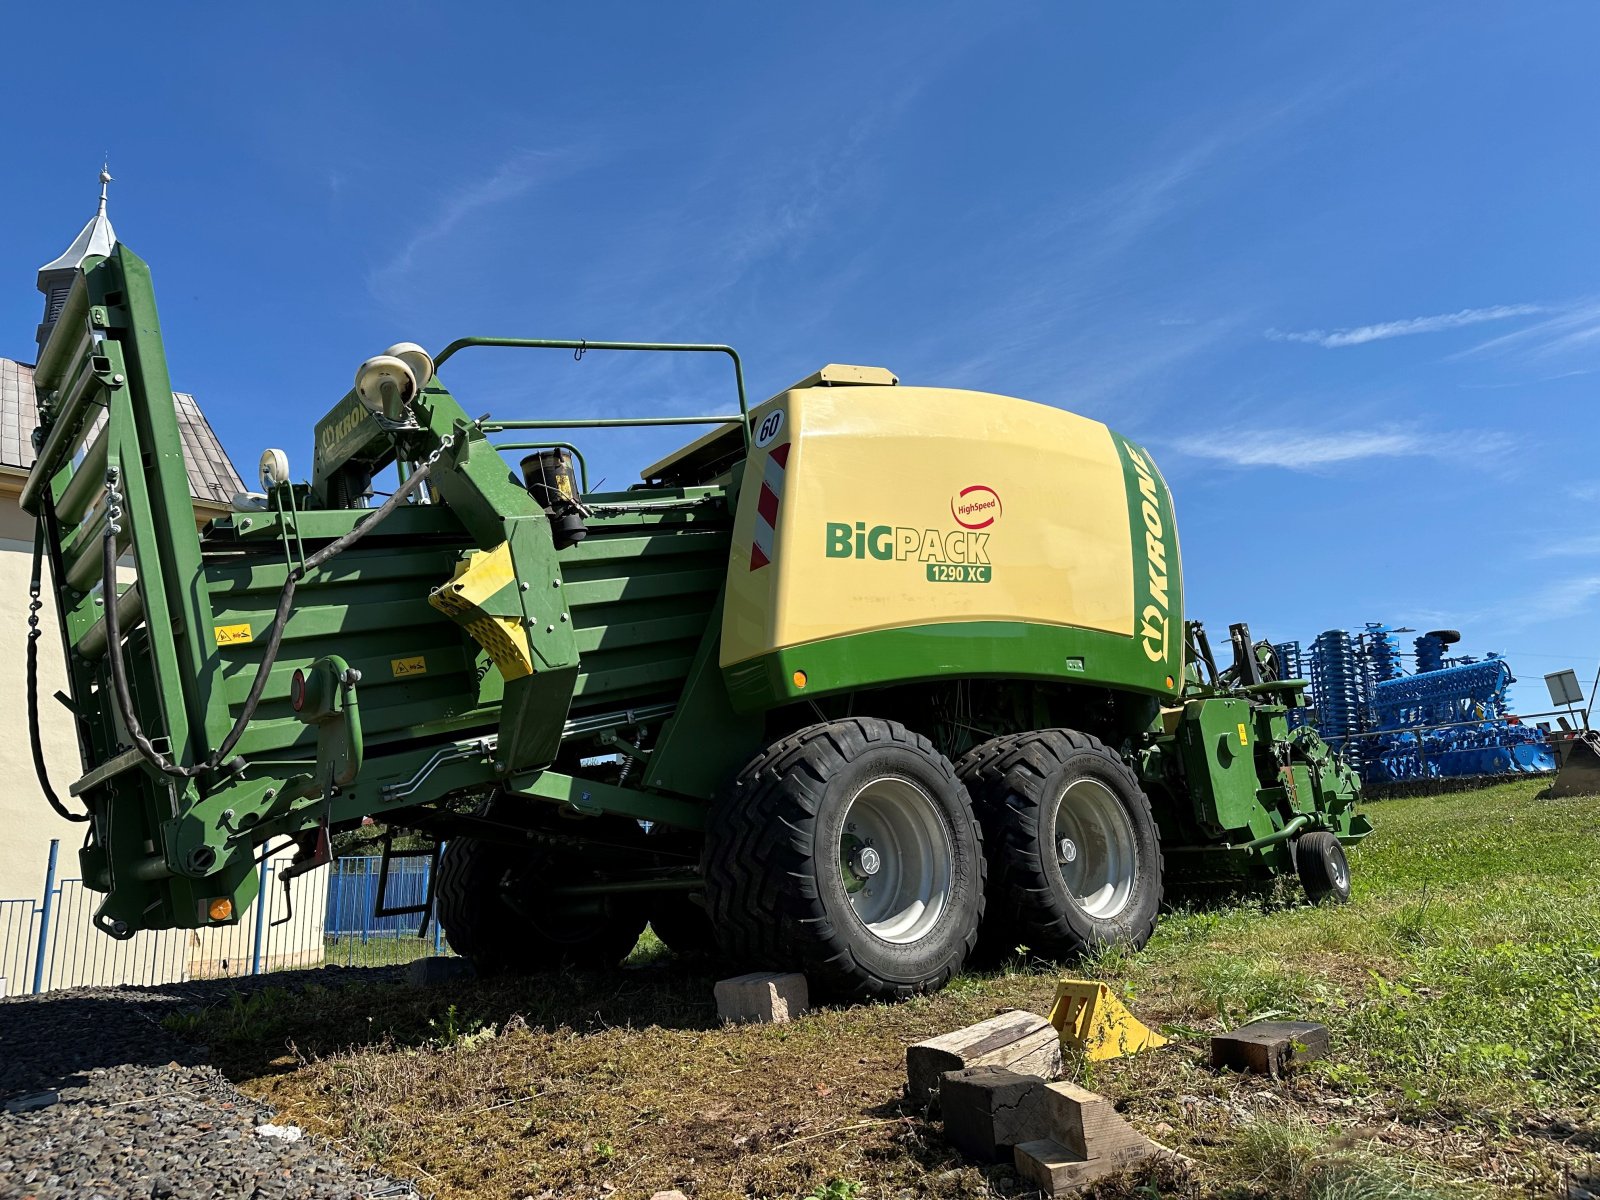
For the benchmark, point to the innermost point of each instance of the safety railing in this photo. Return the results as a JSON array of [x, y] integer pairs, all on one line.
[[579, 349]]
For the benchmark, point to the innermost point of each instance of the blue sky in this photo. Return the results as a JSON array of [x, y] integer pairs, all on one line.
[[1335, 265]]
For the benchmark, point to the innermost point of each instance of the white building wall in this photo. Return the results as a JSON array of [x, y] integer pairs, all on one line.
[[79, 953]]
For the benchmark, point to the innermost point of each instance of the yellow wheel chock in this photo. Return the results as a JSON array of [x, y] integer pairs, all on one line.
[[1092, 1020]]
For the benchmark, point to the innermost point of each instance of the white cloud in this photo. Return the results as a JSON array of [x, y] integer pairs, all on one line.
[[1558, 599], [512, 177], [1574, 547], [1574, 328], [1361, 334], [1299, 450]]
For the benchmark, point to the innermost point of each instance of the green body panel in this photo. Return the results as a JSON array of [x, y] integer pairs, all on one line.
[[1157, 575], [968, 649], [1216, 739]]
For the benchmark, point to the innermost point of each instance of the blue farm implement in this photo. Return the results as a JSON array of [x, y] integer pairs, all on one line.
[[1447, 720]]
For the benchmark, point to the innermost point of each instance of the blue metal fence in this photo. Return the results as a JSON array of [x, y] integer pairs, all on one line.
[[51, 943], [352, 930]]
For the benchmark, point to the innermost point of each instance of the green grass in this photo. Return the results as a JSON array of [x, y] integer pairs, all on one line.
[[1461, 987], [350, 950]]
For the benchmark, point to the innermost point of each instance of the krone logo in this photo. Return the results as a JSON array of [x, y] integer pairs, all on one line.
[[335, 433], [1155, 618], [975, 507]]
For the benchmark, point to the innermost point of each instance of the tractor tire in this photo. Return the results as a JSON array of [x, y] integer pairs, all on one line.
[[488, 898], [1323, 869], [1074, 855], [683, 927], [849, 851]]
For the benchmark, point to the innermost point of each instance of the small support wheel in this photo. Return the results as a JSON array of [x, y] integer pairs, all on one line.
[[1324, 871]]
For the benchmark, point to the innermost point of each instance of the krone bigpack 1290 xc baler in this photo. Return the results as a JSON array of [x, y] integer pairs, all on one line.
[[864, 676]]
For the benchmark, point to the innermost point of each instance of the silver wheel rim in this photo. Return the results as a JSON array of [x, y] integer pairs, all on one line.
[[897, 860], [1096, 848]]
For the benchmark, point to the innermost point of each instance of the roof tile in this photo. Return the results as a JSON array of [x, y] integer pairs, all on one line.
[[212, 475]]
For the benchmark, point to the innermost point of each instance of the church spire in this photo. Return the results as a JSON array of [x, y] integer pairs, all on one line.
[[55, 278]]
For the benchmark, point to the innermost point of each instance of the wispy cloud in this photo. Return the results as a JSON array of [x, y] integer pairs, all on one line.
[[507, 180], [1584, 546], [1302, 450], [1569, 329], [1361, 334], [1554, 601]]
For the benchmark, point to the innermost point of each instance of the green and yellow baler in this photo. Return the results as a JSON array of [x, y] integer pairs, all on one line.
[[863, 674]]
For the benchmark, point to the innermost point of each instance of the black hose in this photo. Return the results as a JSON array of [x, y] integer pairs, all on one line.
[[119, 679], [33, 682]]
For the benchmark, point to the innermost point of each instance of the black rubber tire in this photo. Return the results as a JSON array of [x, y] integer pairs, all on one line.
[[1323, 869], [683, 927], [1017, 783], [774, 889], [473, 897]]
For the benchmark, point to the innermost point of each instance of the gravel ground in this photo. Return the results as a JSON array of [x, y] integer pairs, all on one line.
[[136, 1111]]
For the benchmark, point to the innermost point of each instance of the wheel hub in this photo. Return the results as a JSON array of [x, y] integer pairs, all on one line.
[[1096, 848], [896, 860], [867, 862]]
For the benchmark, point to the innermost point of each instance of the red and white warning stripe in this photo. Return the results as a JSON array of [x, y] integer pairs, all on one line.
[[767, 506]]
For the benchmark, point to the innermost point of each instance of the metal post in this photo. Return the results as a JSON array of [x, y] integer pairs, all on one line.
[[45, 909], [261, 914], [438, 929], [335, 905]]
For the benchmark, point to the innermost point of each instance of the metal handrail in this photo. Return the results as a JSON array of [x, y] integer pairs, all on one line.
[[582, 347]]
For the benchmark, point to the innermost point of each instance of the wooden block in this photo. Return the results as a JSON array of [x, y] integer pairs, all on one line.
[[1087, 1124], [1021, 1041], [1270, 1047], [1056, 1169], [762, 996], [988, 1110]]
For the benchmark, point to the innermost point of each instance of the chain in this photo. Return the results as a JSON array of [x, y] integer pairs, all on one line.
[[445, 443]]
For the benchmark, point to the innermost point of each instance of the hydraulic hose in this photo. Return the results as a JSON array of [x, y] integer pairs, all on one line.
[[34, 606], [119, 678]]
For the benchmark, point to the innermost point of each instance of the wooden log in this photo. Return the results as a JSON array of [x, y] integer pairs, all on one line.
[[1020, 1041], [988, 1110]]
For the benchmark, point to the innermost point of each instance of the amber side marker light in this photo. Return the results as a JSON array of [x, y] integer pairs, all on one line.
[[1169, 681], [220, 909], [799, 679]]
